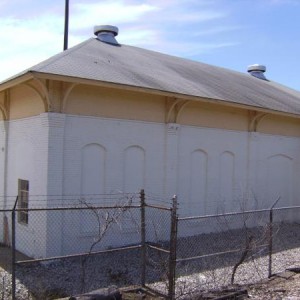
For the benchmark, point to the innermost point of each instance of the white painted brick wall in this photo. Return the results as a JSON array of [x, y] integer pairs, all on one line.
[[2, 178], [55, 125], [164, 157], [115, 136], [27, 159], [2, 157], [168, 149]]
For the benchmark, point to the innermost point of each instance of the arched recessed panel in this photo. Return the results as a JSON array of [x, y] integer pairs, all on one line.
[[198, 183], [93, 170], [134, 169], [279, 180], [227, 166], [92, 184]]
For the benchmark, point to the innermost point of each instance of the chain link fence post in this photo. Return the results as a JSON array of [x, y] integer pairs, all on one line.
[[270, 241], [13, 251], [143, 239], [173, 243], [271, 237]]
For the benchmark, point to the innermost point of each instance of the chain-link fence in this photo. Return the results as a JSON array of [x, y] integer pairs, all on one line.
[[78, 245], [70, 245], [159, 248], [220, 250]]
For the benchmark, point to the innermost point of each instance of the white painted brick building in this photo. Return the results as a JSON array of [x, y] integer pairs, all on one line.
[[100, 118]]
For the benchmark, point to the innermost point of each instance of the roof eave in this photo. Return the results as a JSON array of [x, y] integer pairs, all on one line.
[[9, 83], [160, 92]]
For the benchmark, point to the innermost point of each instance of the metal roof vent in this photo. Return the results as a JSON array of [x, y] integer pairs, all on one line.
[[257, 71], [106, 34]]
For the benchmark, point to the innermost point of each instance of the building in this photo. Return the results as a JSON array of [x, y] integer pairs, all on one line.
[[103, 117]]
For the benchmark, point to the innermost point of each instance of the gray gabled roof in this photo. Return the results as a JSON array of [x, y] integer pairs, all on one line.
[[132, 66]]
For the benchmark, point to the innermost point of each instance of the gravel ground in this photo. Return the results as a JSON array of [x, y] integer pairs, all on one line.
[[59, 278], [213, 273], [285, 286], [252, 271], [5, 287]]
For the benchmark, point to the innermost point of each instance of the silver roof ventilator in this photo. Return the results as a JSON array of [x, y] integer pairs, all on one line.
[[257, 71], [106, 34]]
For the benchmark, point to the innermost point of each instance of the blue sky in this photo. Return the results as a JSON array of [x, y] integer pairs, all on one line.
[[227, 33]]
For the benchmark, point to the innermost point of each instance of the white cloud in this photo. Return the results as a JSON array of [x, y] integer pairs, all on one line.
[[153, 24], [27, 42], [136, 35], [108, 13], [16, 34], [3, 2], [16, 63]]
